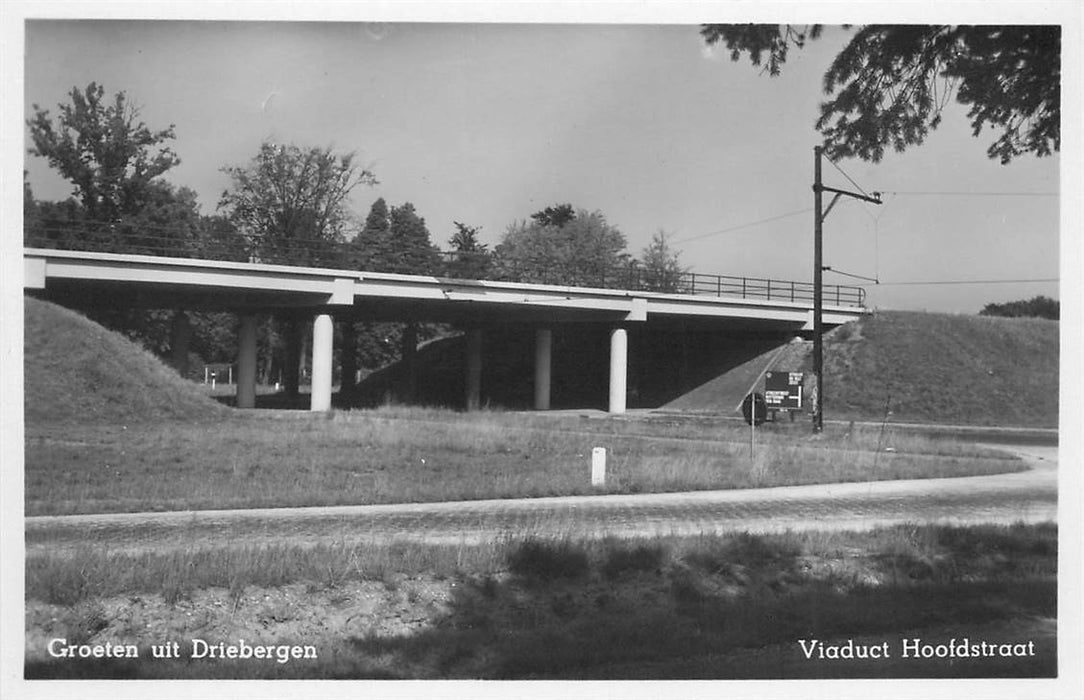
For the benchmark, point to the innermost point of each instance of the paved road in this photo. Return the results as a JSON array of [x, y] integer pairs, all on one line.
[[1029, 496]]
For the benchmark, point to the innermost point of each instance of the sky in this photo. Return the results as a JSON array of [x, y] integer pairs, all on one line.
[[486, 123]]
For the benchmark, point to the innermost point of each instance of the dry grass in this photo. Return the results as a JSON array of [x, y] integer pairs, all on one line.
[[404, 455]]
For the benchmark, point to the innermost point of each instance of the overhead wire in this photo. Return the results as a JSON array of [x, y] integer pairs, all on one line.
[[933, 282], [962, 193], [745, 225]]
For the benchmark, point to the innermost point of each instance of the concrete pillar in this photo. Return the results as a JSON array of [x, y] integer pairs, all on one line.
[[323, 334], [619, 365], [474, 369], [246, 362], [179, 336], [543, 356], [408, 351]]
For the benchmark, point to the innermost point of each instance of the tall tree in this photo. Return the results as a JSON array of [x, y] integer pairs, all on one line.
[[586, 249], [889, 85], [465, 239], [472, 258], [371, 247], [413, 252], [290, 202], [108, 154], [661, 265]]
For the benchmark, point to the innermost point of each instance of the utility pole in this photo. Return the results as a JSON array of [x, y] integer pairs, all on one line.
[[818, 276]]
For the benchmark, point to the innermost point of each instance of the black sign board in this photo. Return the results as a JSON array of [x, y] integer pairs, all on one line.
[[783, 390]]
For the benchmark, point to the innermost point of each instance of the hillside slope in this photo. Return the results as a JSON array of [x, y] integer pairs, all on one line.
[[74, 369], [974, 370]]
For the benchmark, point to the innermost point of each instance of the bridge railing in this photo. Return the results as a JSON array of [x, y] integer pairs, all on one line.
[[208, 244]]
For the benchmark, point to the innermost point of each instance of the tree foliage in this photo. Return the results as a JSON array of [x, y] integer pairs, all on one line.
[[290, 202], [889, 85], [662, 270], [1037, 307], [465, 239], [394, 240], [557, 215], [413, 251], [371, 246], [472, 258], [583, 250], [109, 156]]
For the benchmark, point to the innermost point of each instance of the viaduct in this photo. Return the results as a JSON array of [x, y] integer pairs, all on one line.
[[321, 294]]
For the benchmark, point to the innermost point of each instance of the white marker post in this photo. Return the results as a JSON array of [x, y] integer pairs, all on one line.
[[598, 466]]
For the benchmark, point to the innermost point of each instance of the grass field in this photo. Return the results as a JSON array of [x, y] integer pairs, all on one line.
[[713, 607], [414, 455]]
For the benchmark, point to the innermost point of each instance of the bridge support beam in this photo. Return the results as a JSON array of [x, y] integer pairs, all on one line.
[[474, 369], [323, 333], [246, 362], [619, 369], [543, 355]]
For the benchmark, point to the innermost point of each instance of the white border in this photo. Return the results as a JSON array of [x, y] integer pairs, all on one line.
[[1066, 12]]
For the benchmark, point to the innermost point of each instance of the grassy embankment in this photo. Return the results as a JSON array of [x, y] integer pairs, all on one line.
[[708, 607], [952, 369], [944, 368]]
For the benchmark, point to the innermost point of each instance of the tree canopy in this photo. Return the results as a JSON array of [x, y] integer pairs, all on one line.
[[104, 150], [414, 251], [889, 84], [662, 268], [472, 257], [580, 251], [290, 202], [393, 240]]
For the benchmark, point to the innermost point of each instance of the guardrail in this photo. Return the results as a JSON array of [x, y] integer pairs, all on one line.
[[224, 245]]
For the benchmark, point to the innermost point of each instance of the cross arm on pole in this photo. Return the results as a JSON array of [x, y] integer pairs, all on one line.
[[875, 199]]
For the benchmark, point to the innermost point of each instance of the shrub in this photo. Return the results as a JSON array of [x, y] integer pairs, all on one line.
[[548, 560], [644, 557]]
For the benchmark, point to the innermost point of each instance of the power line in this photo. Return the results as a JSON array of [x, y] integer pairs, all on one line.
[[1021, 281], [746, 225], [976, 194]]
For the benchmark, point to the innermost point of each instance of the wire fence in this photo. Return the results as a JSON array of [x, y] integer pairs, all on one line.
[[209, 244]]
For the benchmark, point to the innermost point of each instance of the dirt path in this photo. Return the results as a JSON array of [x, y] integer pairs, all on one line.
[[1028, 496]]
